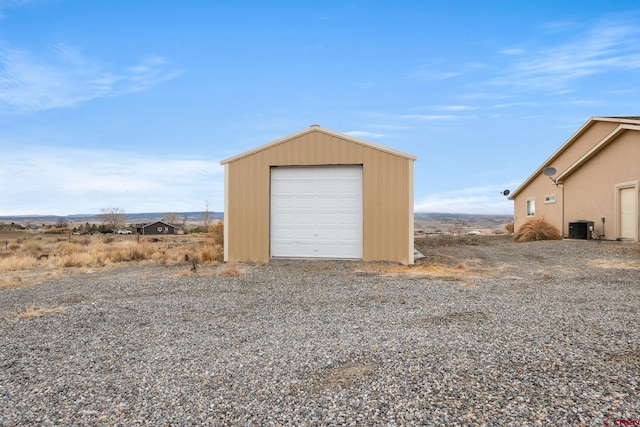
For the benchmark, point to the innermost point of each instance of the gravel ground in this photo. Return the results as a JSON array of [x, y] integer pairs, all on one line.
[[541, 333]]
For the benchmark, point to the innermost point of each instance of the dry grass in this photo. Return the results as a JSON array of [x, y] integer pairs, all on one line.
[[509, 227], [31, 311], [216, 233], [614, 263], [28, 254], [469, 269], [229, 270], [537, 229], [345, 376]]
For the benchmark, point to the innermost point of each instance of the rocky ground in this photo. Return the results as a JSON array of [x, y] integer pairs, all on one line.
[[482, 331]]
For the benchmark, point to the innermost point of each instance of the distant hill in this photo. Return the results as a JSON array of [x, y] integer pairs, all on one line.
[[132, 218], [424, 221], [431, 222]]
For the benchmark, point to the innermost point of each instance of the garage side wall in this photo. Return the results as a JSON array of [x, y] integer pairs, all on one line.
[[387, 196]]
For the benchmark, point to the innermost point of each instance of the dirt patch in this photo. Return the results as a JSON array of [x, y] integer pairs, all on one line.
[[614, 263], [345, 376], [468, 269]]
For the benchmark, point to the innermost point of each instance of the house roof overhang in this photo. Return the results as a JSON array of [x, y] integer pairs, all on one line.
[[596, 148], [316, 128], [625, 123]]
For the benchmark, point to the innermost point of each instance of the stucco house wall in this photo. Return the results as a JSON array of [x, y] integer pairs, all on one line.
[[603, 155]]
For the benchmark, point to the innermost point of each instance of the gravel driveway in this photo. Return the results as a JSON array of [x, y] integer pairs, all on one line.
[[482, 332]]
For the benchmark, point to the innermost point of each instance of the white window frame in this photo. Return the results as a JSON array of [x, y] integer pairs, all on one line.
[[529, 204], [550, 198]]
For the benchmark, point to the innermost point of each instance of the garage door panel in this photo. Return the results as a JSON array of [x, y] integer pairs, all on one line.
[[296, 203], [316, 212], [292, 235]]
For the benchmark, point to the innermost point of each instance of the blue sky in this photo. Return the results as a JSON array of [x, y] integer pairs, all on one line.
[[132, 104]]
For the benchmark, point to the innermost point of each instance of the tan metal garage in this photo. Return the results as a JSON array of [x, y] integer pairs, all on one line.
[[319, 194]]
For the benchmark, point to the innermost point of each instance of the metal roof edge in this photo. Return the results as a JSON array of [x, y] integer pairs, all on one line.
[[316, 128]]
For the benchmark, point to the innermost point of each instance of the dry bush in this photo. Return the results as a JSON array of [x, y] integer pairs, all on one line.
[[213, 253], [228, 270], [7, 281], [32, 247], [67, 248], [537, 229], [216, 232], [123, 251], [509, 227], [80, 259], [31, 311], [17, 262]]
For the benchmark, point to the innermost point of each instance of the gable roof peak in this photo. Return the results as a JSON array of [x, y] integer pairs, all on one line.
[[318, 128], [623, 124]]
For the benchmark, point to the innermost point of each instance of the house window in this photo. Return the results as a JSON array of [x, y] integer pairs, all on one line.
[[159, 229], [531, 207], [550, 198]]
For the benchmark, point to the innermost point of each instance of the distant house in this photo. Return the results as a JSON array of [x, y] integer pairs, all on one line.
[[156, 228], [589, 187]]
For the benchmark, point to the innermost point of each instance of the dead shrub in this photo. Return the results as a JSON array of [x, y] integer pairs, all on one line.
[[537, 229], [137, 253], [228, 270], [17, 263], [509, 227], [128, 253], [79, 259], [212, 253], [67, 248], [31, 311], [32, 246], [216, 232], [163, 257], [194, 264]]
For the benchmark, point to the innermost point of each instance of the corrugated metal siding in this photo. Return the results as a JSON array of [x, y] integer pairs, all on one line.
[[387, 182]]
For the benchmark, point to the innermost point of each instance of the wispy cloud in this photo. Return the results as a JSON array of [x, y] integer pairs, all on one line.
[[66, 181], [436, 71], [486, 200], [454, 108], [8, 4], [512, 51], [364, 134], [429, 117], [63, 77], [611, 45]]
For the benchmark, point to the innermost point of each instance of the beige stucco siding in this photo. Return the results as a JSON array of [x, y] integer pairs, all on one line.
[[387, 195], [541, 186], [537, 190], [591, 189], [592, 168]]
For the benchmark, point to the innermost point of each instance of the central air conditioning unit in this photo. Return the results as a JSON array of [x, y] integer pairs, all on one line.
[[580, 229]]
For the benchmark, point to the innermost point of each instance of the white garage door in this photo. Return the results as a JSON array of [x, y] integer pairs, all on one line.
[[316, 212]]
